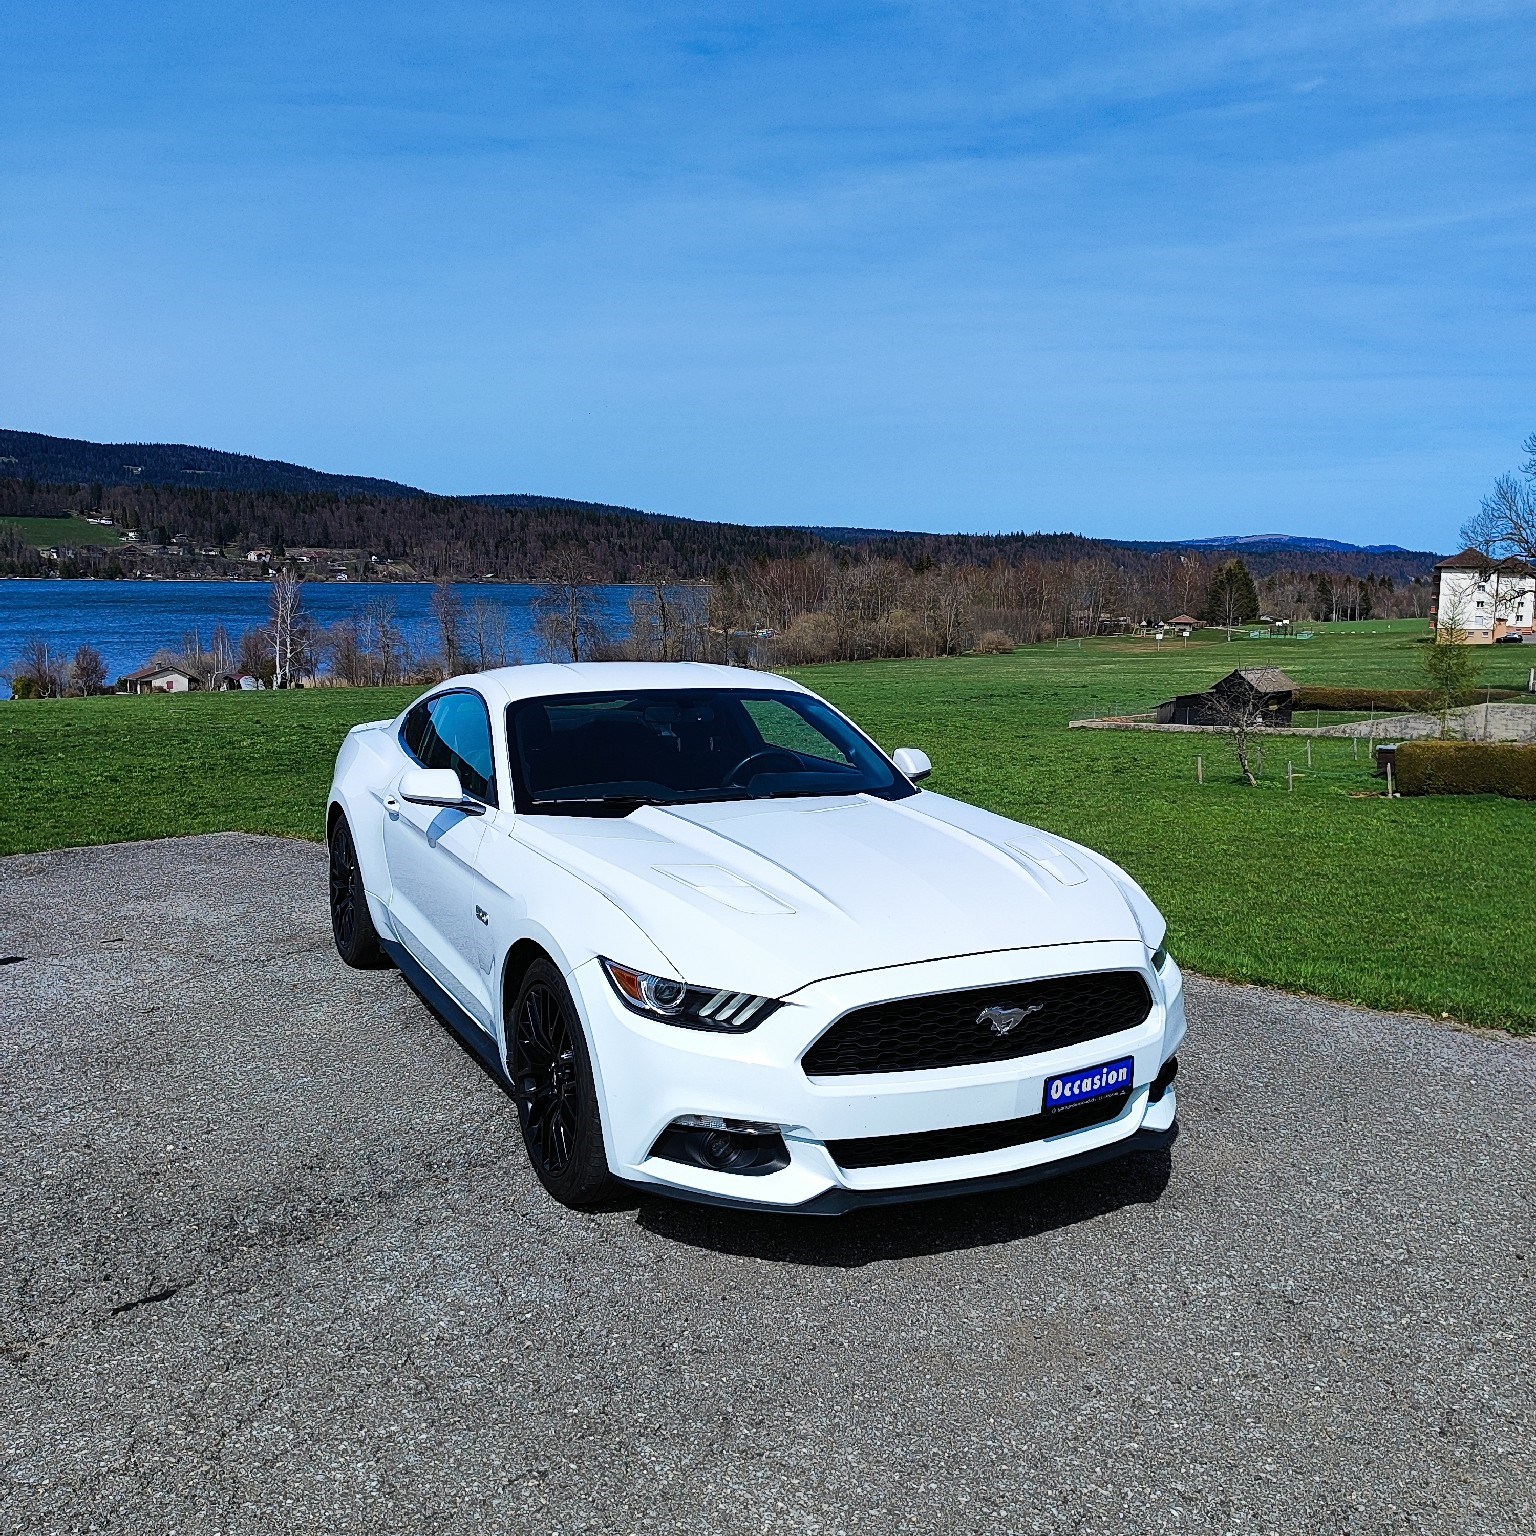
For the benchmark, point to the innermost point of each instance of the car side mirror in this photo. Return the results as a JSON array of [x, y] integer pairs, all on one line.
[[913, 762], [437, 786]]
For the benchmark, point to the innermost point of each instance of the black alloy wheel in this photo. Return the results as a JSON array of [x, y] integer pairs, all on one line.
[[357, 940], [552, 1084], [545, 1080]]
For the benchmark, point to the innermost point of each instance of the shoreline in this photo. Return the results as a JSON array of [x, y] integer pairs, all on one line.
[[402, 581]]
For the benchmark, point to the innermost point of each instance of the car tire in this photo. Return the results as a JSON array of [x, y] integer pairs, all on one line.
[[357, 940], [551, 1078]]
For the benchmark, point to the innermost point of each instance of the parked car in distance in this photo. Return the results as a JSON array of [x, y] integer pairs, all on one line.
[[1510, 638], [719, 945]]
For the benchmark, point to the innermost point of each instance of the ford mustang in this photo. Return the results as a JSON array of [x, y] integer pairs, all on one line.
[[719, 945]]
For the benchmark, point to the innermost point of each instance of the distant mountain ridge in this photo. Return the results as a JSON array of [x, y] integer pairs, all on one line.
[[34, 456], [1274, 541]]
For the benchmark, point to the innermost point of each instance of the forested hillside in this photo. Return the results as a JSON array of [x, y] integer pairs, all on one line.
[[780, 594], [416, 536], [185, 498]]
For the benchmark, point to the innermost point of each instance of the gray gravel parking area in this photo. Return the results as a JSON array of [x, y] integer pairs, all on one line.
[[274, 1262]]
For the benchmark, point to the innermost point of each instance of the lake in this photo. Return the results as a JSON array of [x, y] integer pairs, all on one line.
[[128, 621]]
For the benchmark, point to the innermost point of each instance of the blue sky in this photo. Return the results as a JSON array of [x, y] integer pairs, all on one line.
[[1152, 270]]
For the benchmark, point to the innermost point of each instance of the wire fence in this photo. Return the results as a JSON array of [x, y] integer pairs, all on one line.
[[1298, 763]]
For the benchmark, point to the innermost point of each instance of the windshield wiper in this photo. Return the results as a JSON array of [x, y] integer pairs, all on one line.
[[608, 802], [677, 797]]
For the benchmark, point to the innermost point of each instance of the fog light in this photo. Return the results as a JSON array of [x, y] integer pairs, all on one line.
[[1164, 1080], [726, 1146]]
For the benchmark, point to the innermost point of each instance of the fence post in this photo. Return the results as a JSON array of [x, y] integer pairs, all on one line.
[[1309, 751], [1290, 776], [1200, 768], [1389, 779]]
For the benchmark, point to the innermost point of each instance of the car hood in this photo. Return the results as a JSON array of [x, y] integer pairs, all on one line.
[[769, 896]]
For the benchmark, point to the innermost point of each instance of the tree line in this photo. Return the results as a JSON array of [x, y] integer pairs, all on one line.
[[770, 613], [194, 530]]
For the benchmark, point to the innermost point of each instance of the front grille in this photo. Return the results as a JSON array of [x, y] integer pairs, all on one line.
[[946, 1030], [924, 1146]]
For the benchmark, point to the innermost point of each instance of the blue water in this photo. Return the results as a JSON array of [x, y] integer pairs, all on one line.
[[128, 621]]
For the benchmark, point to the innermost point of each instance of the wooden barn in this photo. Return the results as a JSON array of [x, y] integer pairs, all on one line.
[[1266, 691]]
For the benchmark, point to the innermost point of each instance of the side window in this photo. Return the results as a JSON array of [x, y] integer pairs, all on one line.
[[459, 737], [414, 732]]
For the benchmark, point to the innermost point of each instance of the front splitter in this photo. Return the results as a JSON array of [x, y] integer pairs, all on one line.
[[834, 1202]]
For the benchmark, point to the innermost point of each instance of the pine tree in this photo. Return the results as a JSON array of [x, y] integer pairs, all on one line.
[[1232, 597]]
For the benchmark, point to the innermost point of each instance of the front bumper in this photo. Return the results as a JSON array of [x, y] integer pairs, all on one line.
[[834, 1202], [649, 1073]]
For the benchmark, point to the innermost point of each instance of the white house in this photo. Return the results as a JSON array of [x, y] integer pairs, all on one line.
[[157, 679], [1485, 598]]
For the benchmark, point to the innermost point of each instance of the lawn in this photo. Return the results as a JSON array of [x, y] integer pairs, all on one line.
[[1330, 889], [62, 532]]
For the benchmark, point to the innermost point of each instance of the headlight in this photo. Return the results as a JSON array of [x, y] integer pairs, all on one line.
[[661, 997]]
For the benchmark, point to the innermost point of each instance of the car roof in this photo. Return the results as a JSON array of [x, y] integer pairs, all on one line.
[[543, 679]]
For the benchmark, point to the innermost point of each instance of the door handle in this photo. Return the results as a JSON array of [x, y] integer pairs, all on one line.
[[483, 915]]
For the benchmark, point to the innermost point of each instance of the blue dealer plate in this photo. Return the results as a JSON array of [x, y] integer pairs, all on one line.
[[1088, 1083]]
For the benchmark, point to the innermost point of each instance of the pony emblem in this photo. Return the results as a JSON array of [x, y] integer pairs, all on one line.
[[1004, 1021]]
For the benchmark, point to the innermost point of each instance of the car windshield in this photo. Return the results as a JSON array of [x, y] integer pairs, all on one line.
[[607, 753]]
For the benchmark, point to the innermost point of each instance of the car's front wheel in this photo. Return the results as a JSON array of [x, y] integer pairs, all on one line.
[[556, 1099], [357, 940]]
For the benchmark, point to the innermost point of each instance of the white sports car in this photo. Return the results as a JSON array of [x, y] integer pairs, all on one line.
[[720, 946]]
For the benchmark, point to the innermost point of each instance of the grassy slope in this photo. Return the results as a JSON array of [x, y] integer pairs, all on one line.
[[106, 770], [1331, 889], [65, 532]]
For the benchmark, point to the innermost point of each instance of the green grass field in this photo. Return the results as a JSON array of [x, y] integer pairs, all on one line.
[[1331, 889], [63, 532]]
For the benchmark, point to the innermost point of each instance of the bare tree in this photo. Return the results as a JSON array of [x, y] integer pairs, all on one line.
[[255, 652], [567, 614], [1506, 522], [948, 611], [199, 664], [1508, 582], [1100, 588], [221, 647], [485, 630], [660, 619], [350, 662], [88, 672], [383, 643], [1240, 717], [449, 613], [286, 607], [40, 672], [368, 649]]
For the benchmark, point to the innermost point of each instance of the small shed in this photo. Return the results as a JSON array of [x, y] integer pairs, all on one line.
[[157, 678], [1264, 690]]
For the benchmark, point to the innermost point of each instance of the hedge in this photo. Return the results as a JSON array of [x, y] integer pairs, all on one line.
[[1389, 698], [1466, 768]]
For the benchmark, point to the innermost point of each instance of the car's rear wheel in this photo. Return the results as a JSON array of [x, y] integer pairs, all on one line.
[[357, 940], [556, 1099]]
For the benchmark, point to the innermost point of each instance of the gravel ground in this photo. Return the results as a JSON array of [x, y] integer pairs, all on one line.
[[274, 1263]]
